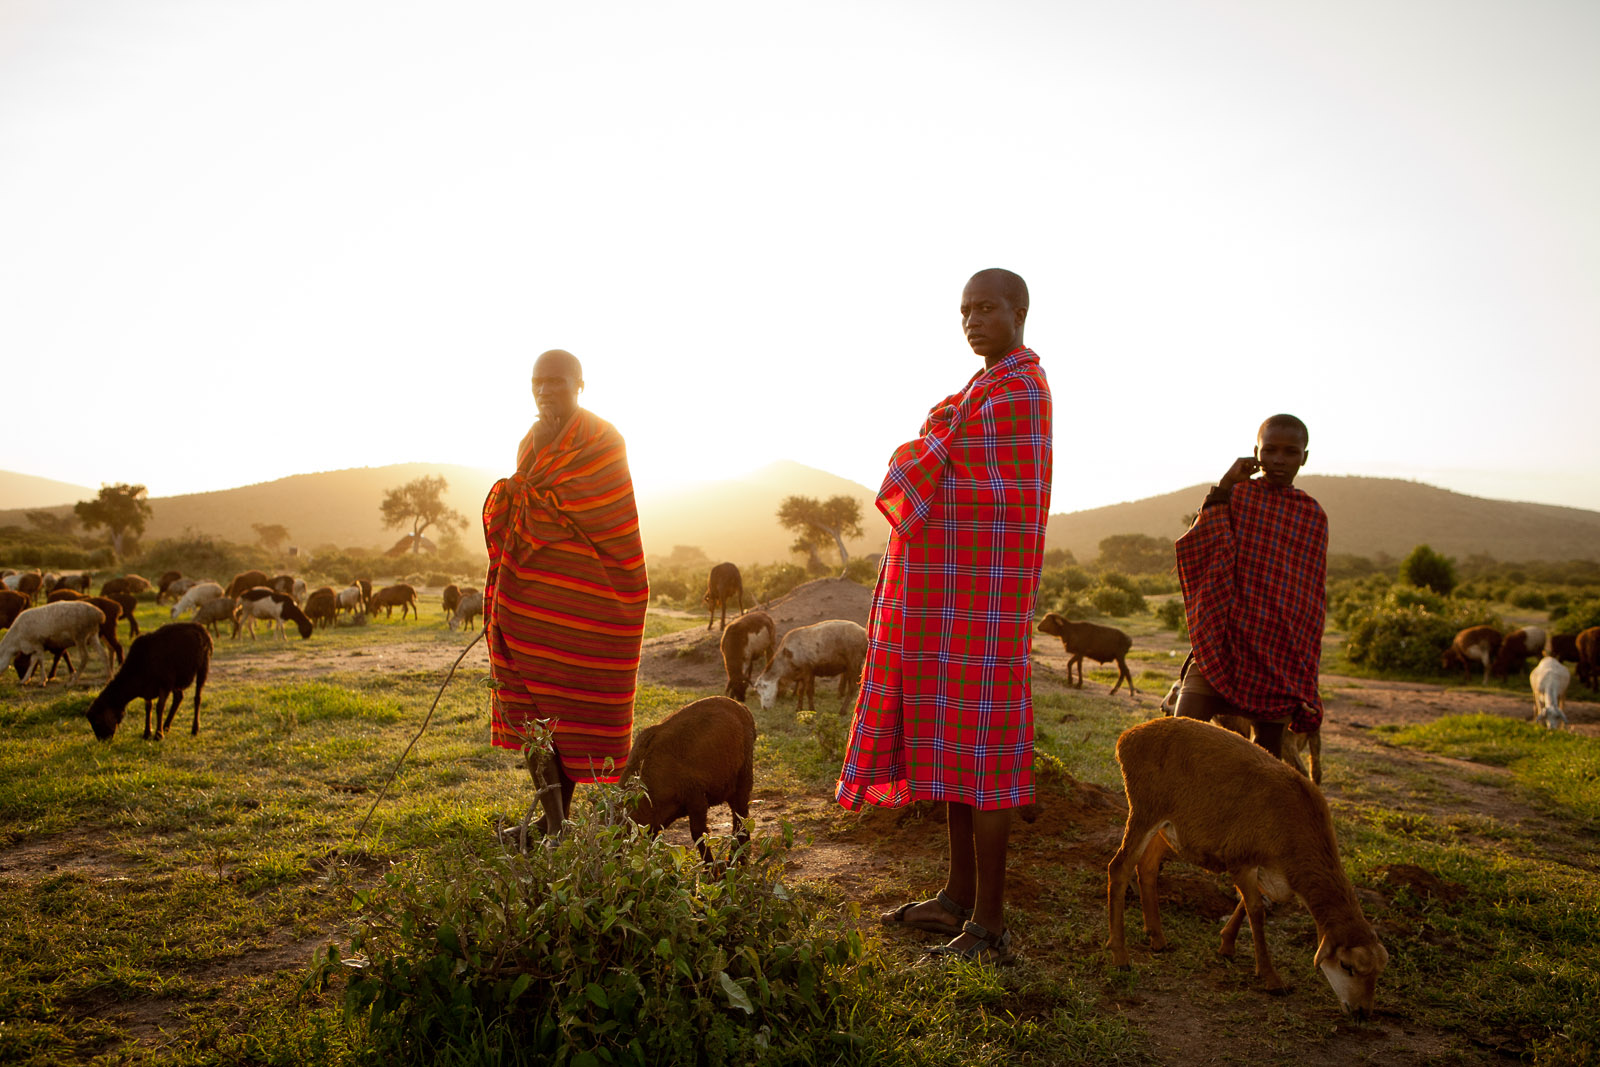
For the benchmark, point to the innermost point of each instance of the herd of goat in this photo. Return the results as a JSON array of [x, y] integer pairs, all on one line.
[[159, 666]]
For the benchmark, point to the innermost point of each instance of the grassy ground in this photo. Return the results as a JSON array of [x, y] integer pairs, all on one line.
[[162, 902]]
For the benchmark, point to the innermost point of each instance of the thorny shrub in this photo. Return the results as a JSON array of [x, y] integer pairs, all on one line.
[[1400, 633], [605, 946]]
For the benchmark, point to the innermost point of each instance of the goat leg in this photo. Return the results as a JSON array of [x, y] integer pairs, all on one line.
[[1149, 896], [1253, 909]]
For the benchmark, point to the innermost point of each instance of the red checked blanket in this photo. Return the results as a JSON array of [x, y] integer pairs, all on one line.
[[565, 597], [946, 704], [1254, 576]]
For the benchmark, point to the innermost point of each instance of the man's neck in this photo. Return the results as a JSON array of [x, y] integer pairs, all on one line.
[[990, 361]]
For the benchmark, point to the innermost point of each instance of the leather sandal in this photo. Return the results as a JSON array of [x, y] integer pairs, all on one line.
[[897, 917], [985, 947]]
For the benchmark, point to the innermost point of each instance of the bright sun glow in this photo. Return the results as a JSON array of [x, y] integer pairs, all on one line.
[[251, 240]]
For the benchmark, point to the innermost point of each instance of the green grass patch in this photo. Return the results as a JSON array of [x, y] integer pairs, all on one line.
[[1560, 768]]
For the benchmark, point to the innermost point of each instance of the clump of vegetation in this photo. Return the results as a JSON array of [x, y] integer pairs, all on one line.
[[1427, 569], [1172, 617], [1572, 617], [1116, 595], [1407, 630], [606, 947]]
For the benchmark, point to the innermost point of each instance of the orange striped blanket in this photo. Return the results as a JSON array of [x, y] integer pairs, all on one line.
[[565, 597]]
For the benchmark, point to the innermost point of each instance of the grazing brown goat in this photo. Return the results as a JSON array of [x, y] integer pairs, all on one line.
[[751, 636], [29, 584], [1212, 798], [129, 604], [322, 606], [388, 598], [164, 585], [1516, 648], [1099, 643], [723, 583], [701, 755], [161, 664], [12, 604], [128, 583], [1475, 644], [450, 598], [244, 581], [56, 596], [1588, 642]]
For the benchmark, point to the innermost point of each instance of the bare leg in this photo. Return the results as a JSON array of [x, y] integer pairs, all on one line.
[[978, 844]]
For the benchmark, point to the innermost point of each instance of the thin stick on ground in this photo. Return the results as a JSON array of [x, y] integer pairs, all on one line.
[[426, 719]]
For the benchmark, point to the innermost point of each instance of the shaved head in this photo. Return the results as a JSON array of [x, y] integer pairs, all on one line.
[[1011, 285], [1285, 422], [558, 363]]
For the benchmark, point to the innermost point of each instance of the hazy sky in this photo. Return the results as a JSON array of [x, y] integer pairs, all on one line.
[[245, 240]]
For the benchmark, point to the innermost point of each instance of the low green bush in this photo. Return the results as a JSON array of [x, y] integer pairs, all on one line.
[[1575, 616], [1402, 634], [1172, 617], [607, 946]]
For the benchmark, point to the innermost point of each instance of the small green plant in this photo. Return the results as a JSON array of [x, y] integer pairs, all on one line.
[[607, 946], [1428, 569], [1172, 617]]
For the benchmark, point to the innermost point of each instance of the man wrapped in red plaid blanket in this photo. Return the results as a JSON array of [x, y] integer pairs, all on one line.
[[946, 709], [1254, 571]]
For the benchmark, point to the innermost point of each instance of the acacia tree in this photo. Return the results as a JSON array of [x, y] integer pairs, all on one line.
[[816, 521], [51, 523], [1135, 553], [270, 534], [121, 509], [421, 503], [1427, 569]]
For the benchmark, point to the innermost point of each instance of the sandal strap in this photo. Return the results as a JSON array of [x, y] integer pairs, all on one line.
[[949, 904], [1000, 941]]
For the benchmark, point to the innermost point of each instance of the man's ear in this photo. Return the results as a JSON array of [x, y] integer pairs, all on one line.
[[1305, 457], [1022, 315]]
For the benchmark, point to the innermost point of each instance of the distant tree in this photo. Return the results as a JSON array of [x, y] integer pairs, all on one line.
[[1186, 520], [1136, 554], [419, 502], [1059, 557], [121, 509], [1427, 569], [816, 522], [270, 534], [685, 555], [47, 522]]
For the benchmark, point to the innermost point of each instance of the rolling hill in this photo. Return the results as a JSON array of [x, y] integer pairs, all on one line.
[[19, 491], [734, 519]]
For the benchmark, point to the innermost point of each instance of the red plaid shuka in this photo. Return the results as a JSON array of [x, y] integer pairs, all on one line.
[[1254, 576], [946, 704], [565, 598]]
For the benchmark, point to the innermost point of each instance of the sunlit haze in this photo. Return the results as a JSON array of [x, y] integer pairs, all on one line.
[[241, 240]]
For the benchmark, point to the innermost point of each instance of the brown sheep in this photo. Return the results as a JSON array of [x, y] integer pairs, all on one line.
[[450, 598], [1214, 799], [322, 606], [56, 596], [1475, 644], [723, 583], [750, 637], [160, 665], [164, 585], [1099, 643], [244, 581], [128, 583], [388, 598], [29, 583], [1563, 647], [1516, 648], [1588, 643], [366, 591], [701, 755], [12, 604]]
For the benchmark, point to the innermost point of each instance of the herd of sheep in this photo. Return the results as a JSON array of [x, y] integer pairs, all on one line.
[[160, 665]]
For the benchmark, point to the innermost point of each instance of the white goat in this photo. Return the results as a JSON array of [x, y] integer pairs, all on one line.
[[67, 622], [197, 594], [1549, 681]]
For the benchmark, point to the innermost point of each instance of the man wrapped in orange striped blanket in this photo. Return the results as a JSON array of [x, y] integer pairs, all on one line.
[[565, 597]]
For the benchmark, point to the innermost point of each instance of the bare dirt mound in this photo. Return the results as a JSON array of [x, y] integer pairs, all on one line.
[[693, 658]]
